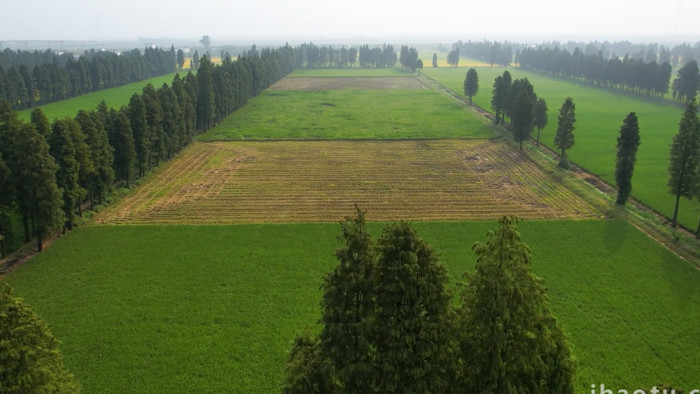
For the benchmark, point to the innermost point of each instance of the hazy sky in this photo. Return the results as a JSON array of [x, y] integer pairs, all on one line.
[[297, 20]]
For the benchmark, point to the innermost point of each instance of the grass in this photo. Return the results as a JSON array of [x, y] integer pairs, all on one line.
[[215, 308], [349, 114], [599, 115], [115, 97]]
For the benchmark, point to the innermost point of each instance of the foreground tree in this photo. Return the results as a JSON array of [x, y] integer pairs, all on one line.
[[684, 158], [63, 150], [627, 145], [307, 370], [471, 84], [31, 360], [540, 116], [347, 306], [564, 139], [413, 317], [510, 340]]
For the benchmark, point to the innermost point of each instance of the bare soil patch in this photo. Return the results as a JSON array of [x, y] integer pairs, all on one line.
[[320, 181], [338, 83]]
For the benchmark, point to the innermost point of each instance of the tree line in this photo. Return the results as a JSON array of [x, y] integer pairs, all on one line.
[[627, 74], [309, 55], [389, 323], [45, 79], [48, 170], [492, 52]]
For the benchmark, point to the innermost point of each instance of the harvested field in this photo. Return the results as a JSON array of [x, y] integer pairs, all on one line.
[[333, 83], [319, 181]]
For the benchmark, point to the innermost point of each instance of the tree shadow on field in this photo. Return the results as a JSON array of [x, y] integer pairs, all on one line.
[[614, 234]]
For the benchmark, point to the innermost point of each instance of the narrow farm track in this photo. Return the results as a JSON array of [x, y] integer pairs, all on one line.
[[320, 181]]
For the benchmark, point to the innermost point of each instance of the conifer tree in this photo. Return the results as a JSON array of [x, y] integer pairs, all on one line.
[[412, 328], [139, 127], [564, 139], [31, 359], [540, 116], [627, 145], [471, 84], [99, 182], [64, 153], [510, 341], [522, 117], [685, 157], [40, 122], [348, 305]]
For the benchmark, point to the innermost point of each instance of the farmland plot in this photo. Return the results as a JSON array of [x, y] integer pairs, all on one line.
[[320, 181]]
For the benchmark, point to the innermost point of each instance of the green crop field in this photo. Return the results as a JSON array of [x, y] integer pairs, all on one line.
[[115, 97], [215, 308], [599, 115], [350, 114]]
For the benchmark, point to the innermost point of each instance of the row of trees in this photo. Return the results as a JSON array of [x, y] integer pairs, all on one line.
[[626, 74], [409, 59], [26, 86], [312, 56], [389, 323], [48, 170], [492, 52]]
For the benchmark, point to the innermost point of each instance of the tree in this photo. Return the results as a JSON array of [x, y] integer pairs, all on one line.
[[121, 138], [685, 86], [7, 198], [347, 306], [31, 358], [498, 98], [138, 120], [453, 57], [307, 371], [435, 60], [37, 192], [64, 152], [471, 84], [627, 144], [206, 42], [522, 117], [510, 340], [685, 157], [40, 122], [180, 59], [564, 139], [413, 316], [101, 154], [540, 116], [205, 94]]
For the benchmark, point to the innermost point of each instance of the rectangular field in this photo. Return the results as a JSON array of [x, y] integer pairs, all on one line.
[[349, 108], [143, 309], [319, 181], [599, 115]]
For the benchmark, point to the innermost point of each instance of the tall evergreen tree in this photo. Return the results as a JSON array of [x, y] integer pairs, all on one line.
[[435, 60], [7, 199], [121, 138], [63, 150], [498, 98], [40, 122], [138, 119], [37, 192], [101, 153], [412, 327], [347, 307], [685, 86], [627, 145], [684, 157], [158, 141], [471, 84], [31, 359], [522, 117], [540, 120], [307, 370], [564, 139], [205, 94], [510, 340]]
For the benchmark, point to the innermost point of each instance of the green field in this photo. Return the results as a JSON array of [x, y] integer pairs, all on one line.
[[215, 308], [349, 114], [115, 97], [599, 115]]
